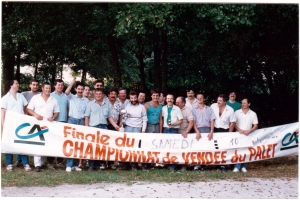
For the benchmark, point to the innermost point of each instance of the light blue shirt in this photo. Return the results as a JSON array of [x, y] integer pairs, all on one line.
[[97, 114], [63, 104], [77, 106]]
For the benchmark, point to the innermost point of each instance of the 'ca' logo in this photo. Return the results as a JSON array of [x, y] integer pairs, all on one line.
[[35, 131], [288, 141]]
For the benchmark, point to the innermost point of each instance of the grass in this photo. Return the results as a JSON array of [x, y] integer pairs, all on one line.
[[283, 167]]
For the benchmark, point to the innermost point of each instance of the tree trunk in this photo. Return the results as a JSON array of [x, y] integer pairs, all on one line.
[[18, 75], [36, 67], [140, 57], [115, 60], [7, 70], [54, 70], [157, 59], [164, 62]]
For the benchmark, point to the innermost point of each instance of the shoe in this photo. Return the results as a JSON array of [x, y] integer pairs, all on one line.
[[244, 169], [112, 166], [27, 168], [102, 166], [9, 167], [76, 169], [68, 169], [38, 169], [236, 170], [183, 169], [17, 163], [223, 169], [50, 166], [198, 167]]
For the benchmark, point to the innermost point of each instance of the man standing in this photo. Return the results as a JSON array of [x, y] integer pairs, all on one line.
[[224, 121], [63, 104], [77, 106], [246, 123], [161, 99], [153, 109], [204, 120], [14, 102], [114, 106], [34, 86], [136, 118], [141, 97], [232, 103], [122, 98], [87, 91], [187, 121], [96, 115], [191, 101], [43, 107]]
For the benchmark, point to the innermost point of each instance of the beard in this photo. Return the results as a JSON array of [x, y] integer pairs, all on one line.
[[134, 102]]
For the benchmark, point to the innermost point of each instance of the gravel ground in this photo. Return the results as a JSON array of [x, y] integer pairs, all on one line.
[[253, 188]]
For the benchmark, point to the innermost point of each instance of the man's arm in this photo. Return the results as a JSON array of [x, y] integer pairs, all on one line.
[[198, 134], [188, 129], [3, 112], [86, 121], [254, 127], [112, 122], [31, 112], [211, 132], [55, 115], [231, 126], [69, 88], [161, 122]]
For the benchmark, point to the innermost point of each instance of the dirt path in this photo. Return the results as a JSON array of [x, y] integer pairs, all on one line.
[[250, 189]]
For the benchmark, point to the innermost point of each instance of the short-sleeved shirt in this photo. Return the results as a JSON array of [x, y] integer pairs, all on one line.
[[187, 117], [225, 119], [9, 103], [97, 114], [115, 110], [245, 121], [176, 115], [236, 105], [77, 106], [42, 107], [123, 105], [28, 95], [63, 104], [189, 105], [204, 117]]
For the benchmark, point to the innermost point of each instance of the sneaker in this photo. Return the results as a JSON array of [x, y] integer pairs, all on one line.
[[223, 169], [68, 169], [244, 169], [38, 169], [17, 163], [102, 166], [236, 170], [9, 167], [198, 167], [27, 168], [50, 166], [112, 166], [76, 169]]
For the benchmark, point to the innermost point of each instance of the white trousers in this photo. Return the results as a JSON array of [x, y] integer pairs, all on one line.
[[38, 161]]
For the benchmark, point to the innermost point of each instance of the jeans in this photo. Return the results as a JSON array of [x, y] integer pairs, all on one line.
[[102, 126], [9, 159], [240, 165], [72, 162], [204, 129], [170, 130], [152, 128], [133, 129], [19, 158]]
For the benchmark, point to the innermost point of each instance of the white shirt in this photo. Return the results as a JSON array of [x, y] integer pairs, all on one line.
[[189, 105], [136, 116], [9, 103], [225, 119], [245, 121], [42, 107], [176, 115]]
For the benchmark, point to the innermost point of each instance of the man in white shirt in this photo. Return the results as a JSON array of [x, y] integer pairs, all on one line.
[[246, 123], [225, 120], [43, 107], [14, 102], [191, 101]]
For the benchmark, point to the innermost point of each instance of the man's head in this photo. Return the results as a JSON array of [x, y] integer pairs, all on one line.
[[86, 91], [122, 94], [200, 98], [98, 94], [58, 85], [246, 103], [79, 87], [112, 94], [133, 97], [222, 100], [98, 84], [180, 102], [162, 98], [155, 95], [170, 99], [141, 97], [232, 96], [13, 84], [190, 93], [46, 88], [34, 85]]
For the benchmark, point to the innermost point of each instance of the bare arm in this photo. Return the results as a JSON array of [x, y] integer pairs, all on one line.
[[188, 129], [161, 122], [55, 115], [86, 121], [254, 127], [212, 125], [31, 112], [198, 134], [68, 90], [231, 126], [3, 112], [112, 122]]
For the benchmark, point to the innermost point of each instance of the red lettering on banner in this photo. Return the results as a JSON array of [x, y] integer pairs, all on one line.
[[195, 158], [65, 147], [89, 151], [124, 141], [100, 153], [260, 153]]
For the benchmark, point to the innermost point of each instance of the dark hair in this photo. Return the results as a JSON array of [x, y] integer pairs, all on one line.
[[161, 93], [46, 83], [98, 81], [10, 82], [182, 99], [223, 96], [58, 81], [33, 80], [189, 89], [142, 92], [99, 90], [155, 91], [231, 91], [113, 89], [79, 84], [248, 99], [200, 93], [121, 89], [132, 93]]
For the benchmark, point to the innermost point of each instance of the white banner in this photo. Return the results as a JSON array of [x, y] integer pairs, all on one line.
[[26, 135]]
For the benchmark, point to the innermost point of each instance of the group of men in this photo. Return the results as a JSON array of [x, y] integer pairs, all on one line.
[[115, 111]]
